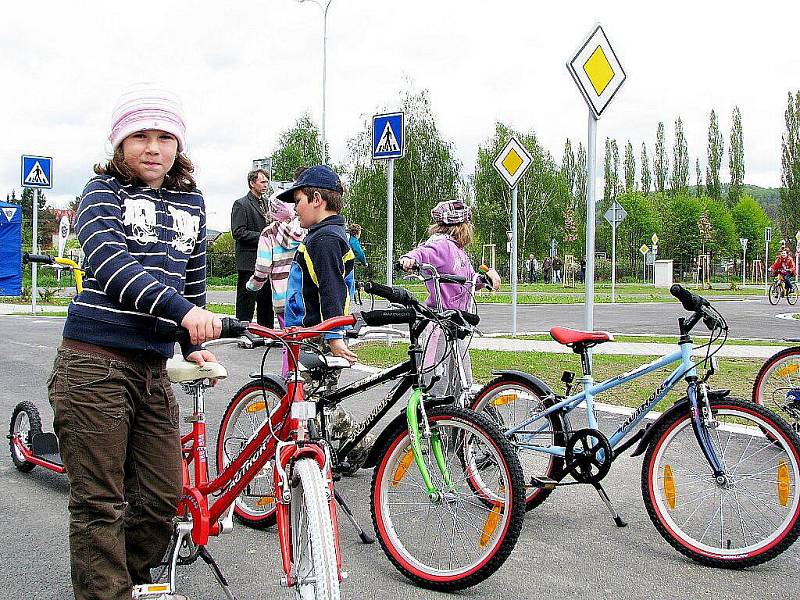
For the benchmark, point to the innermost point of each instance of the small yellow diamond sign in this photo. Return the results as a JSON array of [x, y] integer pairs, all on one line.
[[512, 162], [644, 249], [597, 71], [655, 239]]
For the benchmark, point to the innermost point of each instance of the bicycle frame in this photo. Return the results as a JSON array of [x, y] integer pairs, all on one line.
[[291, 417]]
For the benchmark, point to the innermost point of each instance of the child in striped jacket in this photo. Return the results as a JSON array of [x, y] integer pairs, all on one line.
[[276, 248]]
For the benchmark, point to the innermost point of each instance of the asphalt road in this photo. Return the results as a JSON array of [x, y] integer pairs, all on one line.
[[569, 546]]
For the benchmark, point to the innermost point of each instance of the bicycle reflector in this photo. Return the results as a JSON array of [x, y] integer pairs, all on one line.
[[402, 467], [265, 501], [492, 520], [783, 483], [668, 482], [504, 399], [788, 370], [255, 407]]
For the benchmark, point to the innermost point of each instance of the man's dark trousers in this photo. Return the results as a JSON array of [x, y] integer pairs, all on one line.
[[247, 301]]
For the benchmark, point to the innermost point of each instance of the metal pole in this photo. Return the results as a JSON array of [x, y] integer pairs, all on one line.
[[744, 262], [614, 254], [766, 267], [389, 219], [324, 76], [590, 199], [34, 249], [514, 262]]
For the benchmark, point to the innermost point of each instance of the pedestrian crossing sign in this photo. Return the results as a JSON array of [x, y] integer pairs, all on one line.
[[388, 136], [37, 171]]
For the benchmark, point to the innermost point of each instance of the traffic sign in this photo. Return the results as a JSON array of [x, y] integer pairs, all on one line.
[[615, 213], [768, 234], [743, 242], [655, 239], [597, 71], [644, 249], [512, 162], [388, 136], [37, 172]]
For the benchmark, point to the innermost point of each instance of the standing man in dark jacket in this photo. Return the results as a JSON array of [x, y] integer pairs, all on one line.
[[248, 218]]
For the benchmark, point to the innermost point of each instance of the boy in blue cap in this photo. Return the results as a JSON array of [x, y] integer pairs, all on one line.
[[321, 276]]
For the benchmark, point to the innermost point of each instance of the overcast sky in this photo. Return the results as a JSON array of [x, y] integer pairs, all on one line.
[[246, 70]]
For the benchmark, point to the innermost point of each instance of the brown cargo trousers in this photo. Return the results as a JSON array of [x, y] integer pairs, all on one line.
[[116, 419]]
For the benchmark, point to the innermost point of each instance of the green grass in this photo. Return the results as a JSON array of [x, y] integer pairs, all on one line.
[[737, 374], [222, 309]]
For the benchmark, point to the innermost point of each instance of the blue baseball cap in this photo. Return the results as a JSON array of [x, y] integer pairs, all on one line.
[[319, 176]]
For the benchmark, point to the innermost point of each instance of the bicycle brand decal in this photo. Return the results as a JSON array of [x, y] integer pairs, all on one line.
[[362, 426], [644, 407], [246, 467]]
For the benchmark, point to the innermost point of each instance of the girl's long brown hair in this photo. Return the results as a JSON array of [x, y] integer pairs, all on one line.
[[461, 233], [178, 178]]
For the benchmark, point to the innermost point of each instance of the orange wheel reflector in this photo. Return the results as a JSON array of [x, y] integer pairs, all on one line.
[[783, 483], [669, 487], [255, 407], [489, 527], [788, 370], [503, 399], [265, 501], [401, 469]]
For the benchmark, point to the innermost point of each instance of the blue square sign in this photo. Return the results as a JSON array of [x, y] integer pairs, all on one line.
[[388, 136], [37, 171]]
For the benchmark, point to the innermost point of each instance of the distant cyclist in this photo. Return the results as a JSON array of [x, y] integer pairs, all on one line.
[[784, 265]]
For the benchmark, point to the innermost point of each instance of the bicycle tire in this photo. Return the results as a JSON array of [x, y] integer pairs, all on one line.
[[25, 422], [534, 464], [463, 433], [255, 506], [774, 294], [791, 295], [768, 439], [777, 377], [313, 546]]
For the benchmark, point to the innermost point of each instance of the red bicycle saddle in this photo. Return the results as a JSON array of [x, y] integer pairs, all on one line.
[[570, 337]]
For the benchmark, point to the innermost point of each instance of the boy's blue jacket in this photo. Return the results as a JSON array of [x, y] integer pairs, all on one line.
[[321, 276], [145, 265]]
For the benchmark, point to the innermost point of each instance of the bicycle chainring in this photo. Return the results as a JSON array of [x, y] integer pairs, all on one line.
[[588, 456]]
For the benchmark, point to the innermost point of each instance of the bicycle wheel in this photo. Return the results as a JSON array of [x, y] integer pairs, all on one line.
[[465, 532], [774, 294], [313, 545], [750, 517], [791, 295], [509, 403], [777, 385], [249, 408], [25, 422]]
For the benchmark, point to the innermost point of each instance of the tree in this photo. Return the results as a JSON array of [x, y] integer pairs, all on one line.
[[715, 151], [629, 168], [680, 161], [724, 241], [736, 158], [646, 179], [698, 190], [580, 184], [660, 160], [428, 173], [681, 235], [641, 223], [300, 146], [790, 168], [750, 221], [611, 184], [568, 166]]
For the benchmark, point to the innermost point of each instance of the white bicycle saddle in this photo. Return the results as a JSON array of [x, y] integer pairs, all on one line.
[[180, 370]]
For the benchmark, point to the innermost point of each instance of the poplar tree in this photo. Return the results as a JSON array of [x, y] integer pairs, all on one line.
[[698, 190], [790, 168], [568, 166], [715, 150], [580, 180], [660, 160], [680, 156], [646, 179], [608, 178], [736, 158], [629, 168]]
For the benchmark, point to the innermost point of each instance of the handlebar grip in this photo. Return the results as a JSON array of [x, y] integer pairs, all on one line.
[[398, 316], [44, 259], [470, 318], [395, 295], [232, 328], [452, 279], [690, 301]]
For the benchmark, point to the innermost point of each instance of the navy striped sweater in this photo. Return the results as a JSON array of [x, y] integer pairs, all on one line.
[[145, 265]]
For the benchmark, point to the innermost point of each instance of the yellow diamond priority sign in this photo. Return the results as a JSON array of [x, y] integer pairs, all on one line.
[[512, 162], [644, 249], [597, 71]]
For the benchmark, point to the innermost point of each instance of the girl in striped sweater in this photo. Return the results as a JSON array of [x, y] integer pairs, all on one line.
[[276, 248]]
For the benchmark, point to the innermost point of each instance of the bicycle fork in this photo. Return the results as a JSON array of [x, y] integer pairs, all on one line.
[[414, 403], [702, 421]]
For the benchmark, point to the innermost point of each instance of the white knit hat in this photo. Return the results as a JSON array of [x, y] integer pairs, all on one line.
[[147, 106]]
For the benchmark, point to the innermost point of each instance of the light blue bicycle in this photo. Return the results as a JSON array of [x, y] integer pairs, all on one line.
[[720, 476]]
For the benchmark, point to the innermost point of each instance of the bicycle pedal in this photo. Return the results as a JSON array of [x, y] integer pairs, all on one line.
[[544, 483], [150, 590]]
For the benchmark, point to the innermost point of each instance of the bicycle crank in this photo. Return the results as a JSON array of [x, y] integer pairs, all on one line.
[[588, 455]]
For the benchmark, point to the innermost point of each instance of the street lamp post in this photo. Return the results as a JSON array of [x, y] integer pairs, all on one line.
[[323, 4]]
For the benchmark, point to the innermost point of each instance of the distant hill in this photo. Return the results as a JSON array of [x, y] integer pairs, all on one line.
[[768, 198]]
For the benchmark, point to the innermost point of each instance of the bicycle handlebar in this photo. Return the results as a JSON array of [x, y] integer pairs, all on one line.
[[298, 334], [690, 301], [392, 316], [395, 295], [44, 259]]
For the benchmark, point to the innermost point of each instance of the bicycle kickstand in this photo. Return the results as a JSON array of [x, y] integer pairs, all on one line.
[[365, 537], [223, 583], [607, 501]]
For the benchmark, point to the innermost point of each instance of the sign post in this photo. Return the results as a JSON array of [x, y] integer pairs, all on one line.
[[599, 76], [512, 163], [36, 173], [389, 143], [743, 242], [767, 240], [614, 215], [644, 250], [654, 239]]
